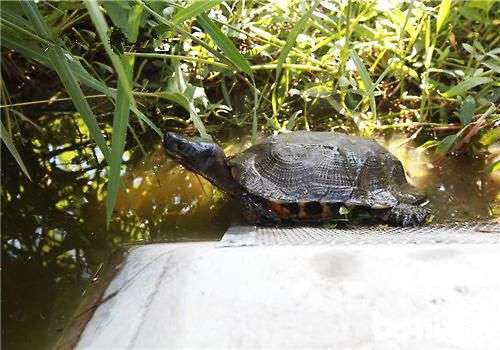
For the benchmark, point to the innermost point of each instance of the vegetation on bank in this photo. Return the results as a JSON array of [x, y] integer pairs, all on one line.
[[427, 68]]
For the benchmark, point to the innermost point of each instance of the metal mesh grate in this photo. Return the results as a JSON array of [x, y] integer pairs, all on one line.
[[464, 232]]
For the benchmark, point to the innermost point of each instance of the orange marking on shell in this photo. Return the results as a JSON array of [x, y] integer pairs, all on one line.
[[327, 212], [278, 209], [302, 211]]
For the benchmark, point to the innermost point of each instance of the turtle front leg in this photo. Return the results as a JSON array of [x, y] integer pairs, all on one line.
[[405, 215], [256, 212]]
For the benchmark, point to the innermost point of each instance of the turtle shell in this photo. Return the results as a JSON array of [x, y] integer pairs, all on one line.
[[324, 167]]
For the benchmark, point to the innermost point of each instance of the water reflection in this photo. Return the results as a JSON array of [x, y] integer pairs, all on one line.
[[459, 189], [53, 229], [54, 234], [162, 201]]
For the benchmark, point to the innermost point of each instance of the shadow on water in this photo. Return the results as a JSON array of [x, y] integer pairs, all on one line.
[[54, 235]]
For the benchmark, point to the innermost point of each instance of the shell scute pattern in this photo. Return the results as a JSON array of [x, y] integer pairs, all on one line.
[[320, 167], [372, 186], [335, 169]]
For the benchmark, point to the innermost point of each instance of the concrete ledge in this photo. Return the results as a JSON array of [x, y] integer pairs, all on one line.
[[195, 295]]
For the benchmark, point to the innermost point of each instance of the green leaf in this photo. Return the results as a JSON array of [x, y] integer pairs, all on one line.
[[183, 94], [225, 44], [193, 10], [17, 42], [490, 136], [36, 53], [127, 18], [292, 37], [145, 119], [444, 11], [118, 12], [59, 61], [176, 97], [467, 110], [495, 166], [484, 5], [103, 32], [4, 135], [135, 20], [466, 85], [119, 136], [492, 65], [320, 91], [471, 14], [235, 58], [31, 50], [344, 210], [369, 87], [428, 144], [445, 144], [12, 20]]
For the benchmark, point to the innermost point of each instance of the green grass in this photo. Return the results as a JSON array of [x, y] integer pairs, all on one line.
[[263, 66]]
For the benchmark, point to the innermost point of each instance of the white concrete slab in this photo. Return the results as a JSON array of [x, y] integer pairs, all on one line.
[[398, 296]]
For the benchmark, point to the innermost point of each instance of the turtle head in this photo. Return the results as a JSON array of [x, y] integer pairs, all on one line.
[[202, 157]]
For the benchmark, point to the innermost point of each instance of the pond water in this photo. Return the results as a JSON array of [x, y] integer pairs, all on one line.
[[54, 236]]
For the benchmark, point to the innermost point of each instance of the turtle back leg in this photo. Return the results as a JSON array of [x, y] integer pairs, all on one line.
[[405, 215]]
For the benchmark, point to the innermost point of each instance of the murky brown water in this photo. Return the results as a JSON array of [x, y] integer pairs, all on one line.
[[54, 235]]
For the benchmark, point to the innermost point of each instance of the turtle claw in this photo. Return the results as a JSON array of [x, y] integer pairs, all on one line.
[[406, 215]]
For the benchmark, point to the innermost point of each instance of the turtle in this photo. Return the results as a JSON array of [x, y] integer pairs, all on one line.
[[306, 177]]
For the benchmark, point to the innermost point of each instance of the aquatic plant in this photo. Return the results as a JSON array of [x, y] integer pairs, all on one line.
[[427, 68]]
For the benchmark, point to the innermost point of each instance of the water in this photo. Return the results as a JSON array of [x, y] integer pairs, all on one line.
[[54, 236], [458, 187]]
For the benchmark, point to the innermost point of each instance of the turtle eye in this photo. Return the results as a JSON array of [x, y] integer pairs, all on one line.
[[183, 147]]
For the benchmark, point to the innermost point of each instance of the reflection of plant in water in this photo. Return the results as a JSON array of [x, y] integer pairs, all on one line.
[[53, 228], [46, 236], [67, 192]]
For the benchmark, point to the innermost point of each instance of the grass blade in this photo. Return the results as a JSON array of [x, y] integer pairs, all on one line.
[[17, 43], [119, 136], [59, 62], [4, 135], [225, 44], [292, 37], [444, 11], [103, 30], [195, 39], [467, 111], [369, 87], [181, 100], [26, 43], [234, 56], [466, 85], [193, 10], [10, 12], [146, 120], [35, 53]]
